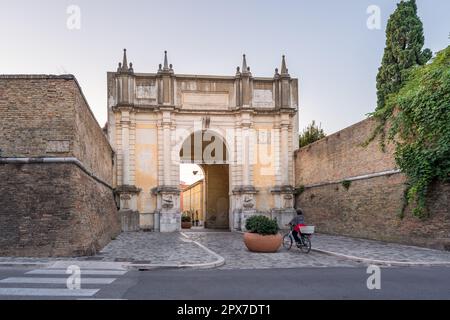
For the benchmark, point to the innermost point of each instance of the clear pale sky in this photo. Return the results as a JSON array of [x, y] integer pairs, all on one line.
[[327, 44]]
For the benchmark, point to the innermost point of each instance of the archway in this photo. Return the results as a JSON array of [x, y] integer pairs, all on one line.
[[208, 150]]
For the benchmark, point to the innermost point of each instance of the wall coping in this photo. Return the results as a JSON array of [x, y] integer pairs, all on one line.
[[331, 135], [360, 177]]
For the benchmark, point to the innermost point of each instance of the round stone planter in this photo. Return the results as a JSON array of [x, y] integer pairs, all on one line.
[[259, 243], [186, 225]]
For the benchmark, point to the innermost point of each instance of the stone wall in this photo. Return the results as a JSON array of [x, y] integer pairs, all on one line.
[[370, 207], [56, 196]]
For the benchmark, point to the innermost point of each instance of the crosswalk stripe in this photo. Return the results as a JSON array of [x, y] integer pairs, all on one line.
[[47, 292], [56, 280], [83, 272]]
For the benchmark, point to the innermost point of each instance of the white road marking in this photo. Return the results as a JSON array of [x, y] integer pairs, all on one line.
[[48, 284], [56, 280], [47, 292], [83, 272]]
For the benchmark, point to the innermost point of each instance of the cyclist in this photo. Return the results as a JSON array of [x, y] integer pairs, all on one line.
[[297, 222]]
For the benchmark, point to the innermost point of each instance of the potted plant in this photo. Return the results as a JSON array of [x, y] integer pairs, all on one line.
[[186, 221], [262, 234]]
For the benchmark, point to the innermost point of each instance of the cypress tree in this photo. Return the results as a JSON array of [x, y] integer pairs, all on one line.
[[404, 43]]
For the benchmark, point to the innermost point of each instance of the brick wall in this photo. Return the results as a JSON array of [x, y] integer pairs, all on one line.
[[53, 209], [35, 111], [341, 155], [370, 206], [90, 144]]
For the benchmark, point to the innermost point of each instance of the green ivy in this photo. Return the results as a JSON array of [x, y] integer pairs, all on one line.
[[300, 189], [346, 184], [419, 119]]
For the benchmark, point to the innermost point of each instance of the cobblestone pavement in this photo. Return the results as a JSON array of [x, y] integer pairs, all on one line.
[[378, 250], [137, 247], [230, 245], [155, 248], [174, 249]]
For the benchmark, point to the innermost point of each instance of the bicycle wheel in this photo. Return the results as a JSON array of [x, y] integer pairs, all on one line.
[[306, 244], [287, 241]]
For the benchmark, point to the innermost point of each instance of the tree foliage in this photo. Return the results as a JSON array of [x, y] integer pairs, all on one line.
[[419, 117], [404, 42], [413, 98], [310, 134]]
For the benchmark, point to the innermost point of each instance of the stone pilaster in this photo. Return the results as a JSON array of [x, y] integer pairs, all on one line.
[[284, 205], [128, 212], [168, 208], [245, 202], [284, 146], [125, 125]]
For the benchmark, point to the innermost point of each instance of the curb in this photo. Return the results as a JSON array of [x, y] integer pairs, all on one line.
[[383, 262], [132, 266], [25, 264], [220, 261], [379, 262]]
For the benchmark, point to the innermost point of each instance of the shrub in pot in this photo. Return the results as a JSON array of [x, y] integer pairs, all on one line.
[[186, 222], [262, 234]]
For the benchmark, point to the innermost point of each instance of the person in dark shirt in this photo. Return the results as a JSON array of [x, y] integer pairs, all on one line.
[[297, 222]]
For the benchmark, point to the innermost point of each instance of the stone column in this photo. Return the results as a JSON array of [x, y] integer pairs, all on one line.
[[166, 154], [284, 154], [246, 193], [127, 192], [245, 156], [168, 193], [284, 193], [125, 148]]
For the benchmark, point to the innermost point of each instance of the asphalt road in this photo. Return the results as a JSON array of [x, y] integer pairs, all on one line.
[[304, 283]]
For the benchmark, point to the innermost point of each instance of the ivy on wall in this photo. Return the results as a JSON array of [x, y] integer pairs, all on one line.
[[419, 118], [414, 100]]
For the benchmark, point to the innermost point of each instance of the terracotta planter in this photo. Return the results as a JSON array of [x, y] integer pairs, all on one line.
[[259, 243], [186, 225]]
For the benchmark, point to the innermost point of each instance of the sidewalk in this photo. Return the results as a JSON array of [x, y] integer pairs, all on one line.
[[377, 252], [226, 250], [135, 250]]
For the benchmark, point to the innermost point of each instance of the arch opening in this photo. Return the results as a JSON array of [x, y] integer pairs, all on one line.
[[206, 199]]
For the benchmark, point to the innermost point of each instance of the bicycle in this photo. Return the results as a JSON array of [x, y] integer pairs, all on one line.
[[305, 239]]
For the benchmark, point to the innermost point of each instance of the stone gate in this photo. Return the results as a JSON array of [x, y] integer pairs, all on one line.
[[152, 117]]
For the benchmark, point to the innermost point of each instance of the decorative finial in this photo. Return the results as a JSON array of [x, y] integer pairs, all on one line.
[[276, 75], [283, 66], [125, 62], [160, 67], [244, 63], [166, 64]]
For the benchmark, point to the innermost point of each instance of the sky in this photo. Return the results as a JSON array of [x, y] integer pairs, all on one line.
[[327, 44]]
